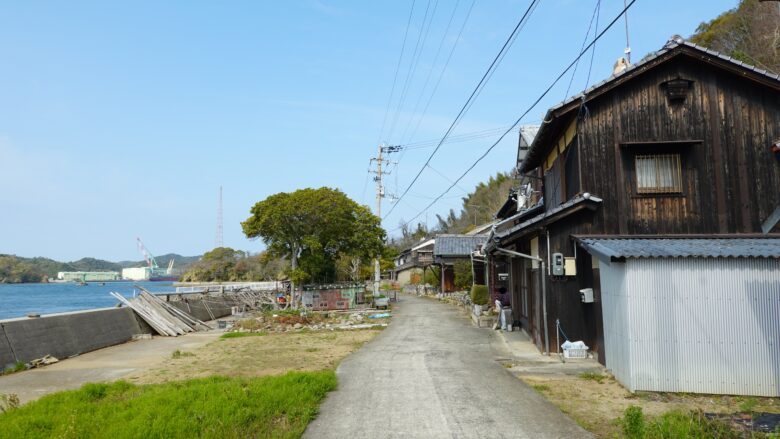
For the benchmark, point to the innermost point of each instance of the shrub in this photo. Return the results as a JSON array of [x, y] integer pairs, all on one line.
[[479, 295], [634, 422]]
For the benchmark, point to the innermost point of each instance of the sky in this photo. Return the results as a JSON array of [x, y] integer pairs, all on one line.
[[122, 119]]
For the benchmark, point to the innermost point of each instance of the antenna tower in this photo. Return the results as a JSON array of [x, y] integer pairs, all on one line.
[[218, 242]]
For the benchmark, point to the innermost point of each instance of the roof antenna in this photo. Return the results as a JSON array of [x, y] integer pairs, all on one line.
[[628, 46]]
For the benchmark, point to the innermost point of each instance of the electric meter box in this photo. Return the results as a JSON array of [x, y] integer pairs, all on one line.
[[558, 264]]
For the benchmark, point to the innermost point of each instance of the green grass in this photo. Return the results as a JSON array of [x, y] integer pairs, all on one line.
[[181, 354], [541, 388], [242, 334], [593, 376], [674, 424], [18, 367], [748, 405], [219, 407]]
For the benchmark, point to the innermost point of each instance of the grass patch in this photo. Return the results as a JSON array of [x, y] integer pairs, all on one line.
[[181, 354], [242, 334], [748, 405], [593, 376], [18, 367], [541, 388], [273, 406], [674, 424]]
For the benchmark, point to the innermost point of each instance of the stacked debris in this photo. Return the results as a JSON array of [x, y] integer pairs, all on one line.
[[163, 317]]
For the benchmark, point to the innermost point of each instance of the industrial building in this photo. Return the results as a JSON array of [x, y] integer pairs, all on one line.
[[88, 276]]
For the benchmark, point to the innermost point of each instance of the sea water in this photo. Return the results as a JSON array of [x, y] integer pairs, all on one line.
[[18, 300]]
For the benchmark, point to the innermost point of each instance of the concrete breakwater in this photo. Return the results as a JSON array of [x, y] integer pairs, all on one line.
[[69, 334]]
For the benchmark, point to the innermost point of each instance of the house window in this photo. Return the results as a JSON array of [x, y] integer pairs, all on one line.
[[658, 173]]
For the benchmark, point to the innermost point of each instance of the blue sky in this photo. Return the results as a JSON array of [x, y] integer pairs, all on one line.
[[122, 119]]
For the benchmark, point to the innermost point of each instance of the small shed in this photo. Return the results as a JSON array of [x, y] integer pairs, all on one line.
[[695, 315], [450, 248]]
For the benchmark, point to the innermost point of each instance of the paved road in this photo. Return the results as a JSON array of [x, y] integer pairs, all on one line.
[[431, 374]]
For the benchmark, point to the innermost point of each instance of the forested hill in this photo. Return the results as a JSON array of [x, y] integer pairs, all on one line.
[[16, 269], [750, 33]]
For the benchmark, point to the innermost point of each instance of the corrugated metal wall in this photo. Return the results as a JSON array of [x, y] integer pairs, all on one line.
[[704, 325], [614, 308]]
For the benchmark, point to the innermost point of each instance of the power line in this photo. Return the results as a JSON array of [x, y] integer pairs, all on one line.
[[517, 122], [584, 41], [397, 68], [422, 36], [430, 71], [463, 109], [441, 74]]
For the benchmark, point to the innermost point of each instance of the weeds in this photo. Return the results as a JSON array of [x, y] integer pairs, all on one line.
[[181, 354], [748, 405], [541, 388], [593, 376], [17, 367], [674, 424], [634, 422], [8, 402], [242, 334]]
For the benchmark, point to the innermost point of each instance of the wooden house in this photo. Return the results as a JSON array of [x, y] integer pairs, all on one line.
[[677, 153]]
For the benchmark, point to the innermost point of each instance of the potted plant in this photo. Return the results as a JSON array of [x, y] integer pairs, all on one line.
[[479, 297]]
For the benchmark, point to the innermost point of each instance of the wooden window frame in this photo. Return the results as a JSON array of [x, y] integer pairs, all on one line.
[[662, 190]]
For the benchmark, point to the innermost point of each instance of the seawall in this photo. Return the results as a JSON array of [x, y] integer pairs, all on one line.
[[67, 334]]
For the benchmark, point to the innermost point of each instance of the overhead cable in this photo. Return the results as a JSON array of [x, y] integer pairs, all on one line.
[[517, 122], [476, 90]]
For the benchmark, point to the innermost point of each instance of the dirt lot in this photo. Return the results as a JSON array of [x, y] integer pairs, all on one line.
[[597, 402], [270, 354]]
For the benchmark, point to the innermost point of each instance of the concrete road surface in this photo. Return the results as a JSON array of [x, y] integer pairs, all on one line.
[[431, 374]]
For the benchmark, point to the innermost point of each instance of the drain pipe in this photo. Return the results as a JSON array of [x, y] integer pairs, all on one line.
[[544, 290]]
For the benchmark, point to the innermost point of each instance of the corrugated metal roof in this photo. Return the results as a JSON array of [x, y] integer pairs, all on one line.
[[575, 201], [528, 132], [457, 245], [616, 249]]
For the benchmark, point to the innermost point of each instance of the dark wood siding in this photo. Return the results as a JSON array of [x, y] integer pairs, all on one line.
[[730, 175], [723, 132]]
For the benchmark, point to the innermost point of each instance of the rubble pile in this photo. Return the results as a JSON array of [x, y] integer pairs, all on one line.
[[288, 321]]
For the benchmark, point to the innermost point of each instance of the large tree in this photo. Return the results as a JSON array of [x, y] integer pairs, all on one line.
[[750, 33], [313, 228]]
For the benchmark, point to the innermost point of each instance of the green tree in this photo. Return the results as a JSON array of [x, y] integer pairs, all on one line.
[[750, 33], [313, 228], [464, 276]]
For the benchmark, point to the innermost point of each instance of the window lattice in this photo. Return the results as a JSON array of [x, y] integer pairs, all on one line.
[[658, 173]]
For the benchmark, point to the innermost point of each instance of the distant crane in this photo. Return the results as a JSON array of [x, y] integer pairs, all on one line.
[[150, 261]]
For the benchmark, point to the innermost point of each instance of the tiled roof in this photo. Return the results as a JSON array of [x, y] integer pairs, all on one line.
[[677, 43], [457, 245], [618, 249]]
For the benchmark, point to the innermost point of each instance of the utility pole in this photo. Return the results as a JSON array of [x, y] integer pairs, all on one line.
[[380, 193]]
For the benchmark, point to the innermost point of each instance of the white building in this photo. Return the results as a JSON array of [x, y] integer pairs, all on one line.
[[137, 273]]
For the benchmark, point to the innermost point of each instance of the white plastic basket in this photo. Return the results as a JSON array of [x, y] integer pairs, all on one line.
[[575, 353], [576, 349]]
